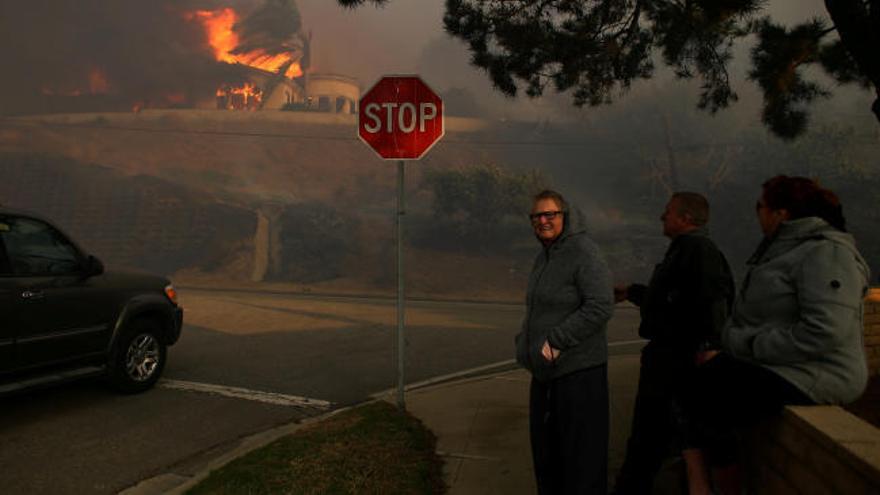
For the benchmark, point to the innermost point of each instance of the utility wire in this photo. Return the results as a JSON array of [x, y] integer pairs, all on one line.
[[12, 122], [21, 123]]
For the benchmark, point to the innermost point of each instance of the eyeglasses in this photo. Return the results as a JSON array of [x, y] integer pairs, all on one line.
[[548, 215]]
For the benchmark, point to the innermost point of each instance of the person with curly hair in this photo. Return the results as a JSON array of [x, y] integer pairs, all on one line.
[[795, 334]]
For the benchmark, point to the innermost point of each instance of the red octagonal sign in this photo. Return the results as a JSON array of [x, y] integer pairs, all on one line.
[[400, 117]]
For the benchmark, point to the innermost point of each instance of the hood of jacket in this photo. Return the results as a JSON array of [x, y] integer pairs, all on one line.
[[572, 224], [795, 232]]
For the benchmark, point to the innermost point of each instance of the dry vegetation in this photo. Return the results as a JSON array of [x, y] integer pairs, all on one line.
[[257, 160]]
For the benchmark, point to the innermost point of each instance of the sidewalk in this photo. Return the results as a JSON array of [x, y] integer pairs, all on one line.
[[482, 429], [481, 424]]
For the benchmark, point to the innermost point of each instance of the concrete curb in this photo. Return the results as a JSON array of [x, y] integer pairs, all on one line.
[[478, 372], [176, 484]]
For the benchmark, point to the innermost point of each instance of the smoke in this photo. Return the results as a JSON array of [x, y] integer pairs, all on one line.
[[127, 49], [272, 28]]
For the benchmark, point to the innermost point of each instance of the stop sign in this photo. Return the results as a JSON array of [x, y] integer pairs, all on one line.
[[400, 117]]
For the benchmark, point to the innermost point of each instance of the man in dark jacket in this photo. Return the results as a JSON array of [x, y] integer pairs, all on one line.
[[563, 343], [683, 309]]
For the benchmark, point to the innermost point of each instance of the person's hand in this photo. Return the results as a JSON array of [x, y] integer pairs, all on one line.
[[549, 353], [620, 293], [704, 357]]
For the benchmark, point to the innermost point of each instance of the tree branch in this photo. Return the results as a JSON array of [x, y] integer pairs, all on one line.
[[860, 36]]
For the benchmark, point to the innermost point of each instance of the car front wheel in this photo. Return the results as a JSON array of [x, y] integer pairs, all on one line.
[[138, 357]]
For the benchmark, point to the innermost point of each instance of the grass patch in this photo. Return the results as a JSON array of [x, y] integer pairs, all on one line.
[[374, 448]]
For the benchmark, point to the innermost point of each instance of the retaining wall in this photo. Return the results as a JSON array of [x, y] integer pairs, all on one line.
[[819, 449]]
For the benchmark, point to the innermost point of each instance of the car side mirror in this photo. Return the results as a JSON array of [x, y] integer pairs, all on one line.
[[94, 266]]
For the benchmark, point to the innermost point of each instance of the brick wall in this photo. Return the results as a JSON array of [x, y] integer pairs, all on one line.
[[127, 221], [872, 331], [819, 449], [814, 450]]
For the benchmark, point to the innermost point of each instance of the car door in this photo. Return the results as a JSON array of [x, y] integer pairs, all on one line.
[[57, 305], [7, 309]]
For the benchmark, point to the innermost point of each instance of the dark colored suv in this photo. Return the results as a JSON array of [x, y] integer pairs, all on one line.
[[63, 317]]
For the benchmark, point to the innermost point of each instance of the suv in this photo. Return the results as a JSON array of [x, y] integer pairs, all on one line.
[[63, 317]]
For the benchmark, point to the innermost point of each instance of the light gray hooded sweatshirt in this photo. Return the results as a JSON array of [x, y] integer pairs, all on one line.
[[568, 302], [800, 311]]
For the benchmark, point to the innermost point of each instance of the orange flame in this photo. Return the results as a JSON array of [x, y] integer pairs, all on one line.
[[218, 26], [175, 98], [244, 97], [97, 85], [294, 71], [97, 81]]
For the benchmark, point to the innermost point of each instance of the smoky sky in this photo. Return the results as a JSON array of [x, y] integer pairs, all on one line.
[[271, 27], [143, 48], [147, 48]]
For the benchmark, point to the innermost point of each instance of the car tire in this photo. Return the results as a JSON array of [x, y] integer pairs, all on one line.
[[138, 357]]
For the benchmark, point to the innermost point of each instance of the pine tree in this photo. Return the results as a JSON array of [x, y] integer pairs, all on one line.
[[596, 49]]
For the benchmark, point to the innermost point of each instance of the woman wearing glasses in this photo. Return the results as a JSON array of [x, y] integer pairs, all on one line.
[[795, 335], [563, 344]]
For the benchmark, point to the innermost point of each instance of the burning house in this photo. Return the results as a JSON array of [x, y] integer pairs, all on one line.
[[253, 56], [275, 68]]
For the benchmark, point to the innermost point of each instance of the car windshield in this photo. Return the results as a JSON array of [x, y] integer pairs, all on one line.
[[34, 248]]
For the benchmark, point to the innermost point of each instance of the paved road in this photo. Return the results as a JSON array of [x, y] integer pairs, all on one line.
[[247, 361]]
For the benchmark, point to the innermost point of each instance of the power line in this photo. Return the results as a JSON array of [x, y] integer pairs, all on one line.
[[11, 122], [20, 123]]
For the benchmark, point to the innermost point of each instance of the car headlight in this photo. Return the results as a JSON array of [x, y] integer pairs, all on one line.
[[171, 293]]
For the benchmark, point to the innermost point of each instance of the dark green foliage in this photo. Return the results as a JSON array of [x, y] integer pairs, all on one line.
[[478, 208], [315, 238], [696, 39], [778, 59], [838, 62], [596, 49], [357, 3]]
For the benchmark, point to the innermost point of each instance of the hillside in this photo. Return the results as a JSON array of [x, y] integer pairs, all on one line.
[[129, 184], [254, 156]]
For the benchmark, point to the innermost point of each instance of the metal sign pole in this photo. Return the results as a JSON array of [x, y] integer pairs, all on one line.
[[400, 118], [400, 338]]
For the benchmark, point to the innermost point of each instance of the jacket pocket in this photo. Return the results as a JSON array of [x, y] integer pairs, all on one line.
[[537, 363]]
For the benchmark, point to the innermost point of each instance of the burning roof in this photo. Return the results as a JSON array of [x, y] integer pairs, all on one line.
[[155, 53], [269, 39]]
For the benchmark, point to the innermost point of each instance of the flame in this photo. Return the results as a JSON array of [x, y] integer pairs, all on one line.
[[97, 81], [294, 71], [249, 91], [97, 85], [244, 97], [219, 26], [175, 98]]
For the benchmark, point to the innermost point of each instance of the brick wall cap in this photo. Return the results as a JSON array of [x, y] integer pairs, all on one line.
[[855, 441]]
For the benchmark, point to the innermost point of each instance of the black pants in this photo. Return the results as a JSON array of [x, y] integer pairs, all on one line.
[[568, 422], [655, 428], [726, 395]]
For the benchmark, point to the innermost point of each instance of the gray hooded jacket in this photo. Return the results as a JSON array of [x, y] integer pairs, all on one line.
[[568, 303], [800, 311]]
